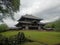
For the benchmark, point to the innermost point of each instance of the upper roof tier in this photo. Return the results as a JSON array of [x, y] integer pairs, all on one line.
[[30, 17]]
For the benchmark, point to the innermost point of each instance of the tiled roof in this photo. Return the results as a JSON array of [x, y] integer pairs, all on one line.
[[30, 16]]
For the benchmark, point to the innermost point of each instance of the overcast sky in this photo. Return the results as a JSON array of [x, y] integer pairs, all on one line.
[[49, 10]]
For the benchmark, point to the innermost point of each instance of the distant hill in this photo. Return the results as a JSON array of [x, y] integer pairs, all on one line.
[[55, 25]]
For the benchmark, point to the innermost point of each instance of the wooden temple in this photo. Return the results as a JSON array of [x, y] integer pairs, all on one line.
[[30, 22]]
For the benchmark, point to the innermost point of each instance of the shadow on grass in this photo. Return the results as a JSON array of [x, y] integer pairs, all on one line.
[[16, 40], [57, 44]]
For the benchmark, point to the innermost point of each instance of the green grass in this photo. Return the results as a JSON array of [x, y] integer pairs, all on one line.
[[49, 38]]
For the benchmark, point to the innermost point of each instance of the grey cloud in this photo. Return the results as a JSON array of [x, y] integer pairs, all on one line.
[[50, 13], [49, 10]]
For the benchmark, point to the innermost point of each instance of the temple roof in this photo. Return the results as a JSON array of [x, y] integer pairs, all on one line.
[[30, 16], [27, 16]]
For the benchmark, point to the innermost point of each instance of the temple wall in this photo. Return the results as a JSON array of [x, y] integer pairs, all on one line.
[[26, 27], [32, 27], [39, 28]]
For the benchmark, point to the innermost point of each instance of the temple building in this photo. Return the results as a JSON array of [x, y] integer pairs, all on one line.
[[29, 22]]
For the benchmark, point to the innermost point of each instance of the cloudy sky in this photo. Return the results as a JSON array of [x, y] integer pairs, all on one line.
[[49, 10]]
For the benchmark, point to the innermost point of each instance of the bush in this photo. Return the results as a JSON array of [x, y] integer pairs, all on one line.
[[14, 40], [3, 27], [50, 25], [21, 37], [57, 26]]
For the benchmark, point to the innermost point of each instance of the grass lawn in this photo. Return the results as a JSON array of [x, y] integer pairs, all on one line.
[[49, 38]]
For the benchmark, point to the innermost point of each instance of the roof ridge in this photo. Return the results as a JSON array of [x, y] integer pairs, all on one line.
[[31, 16]]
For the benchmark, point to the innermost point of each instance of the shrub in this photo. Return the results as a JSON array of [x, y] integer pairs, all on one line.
[[3, 27], [57, 28], [21, 37], [14, 40], [2, 40], [57, 25]]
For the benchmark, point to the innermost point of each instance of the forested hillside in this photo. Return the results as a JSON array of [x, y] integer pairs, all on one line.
[[55, 25]]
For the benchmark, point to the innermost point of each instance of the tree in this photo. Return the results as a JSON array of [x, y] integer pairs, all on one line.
[[57, 25], [8, 7], [3, 27]]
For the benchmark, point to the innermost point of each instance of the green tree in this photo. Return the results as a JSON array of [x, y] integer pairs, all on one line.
[[3, 27], [8, 7], [57, 25]]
